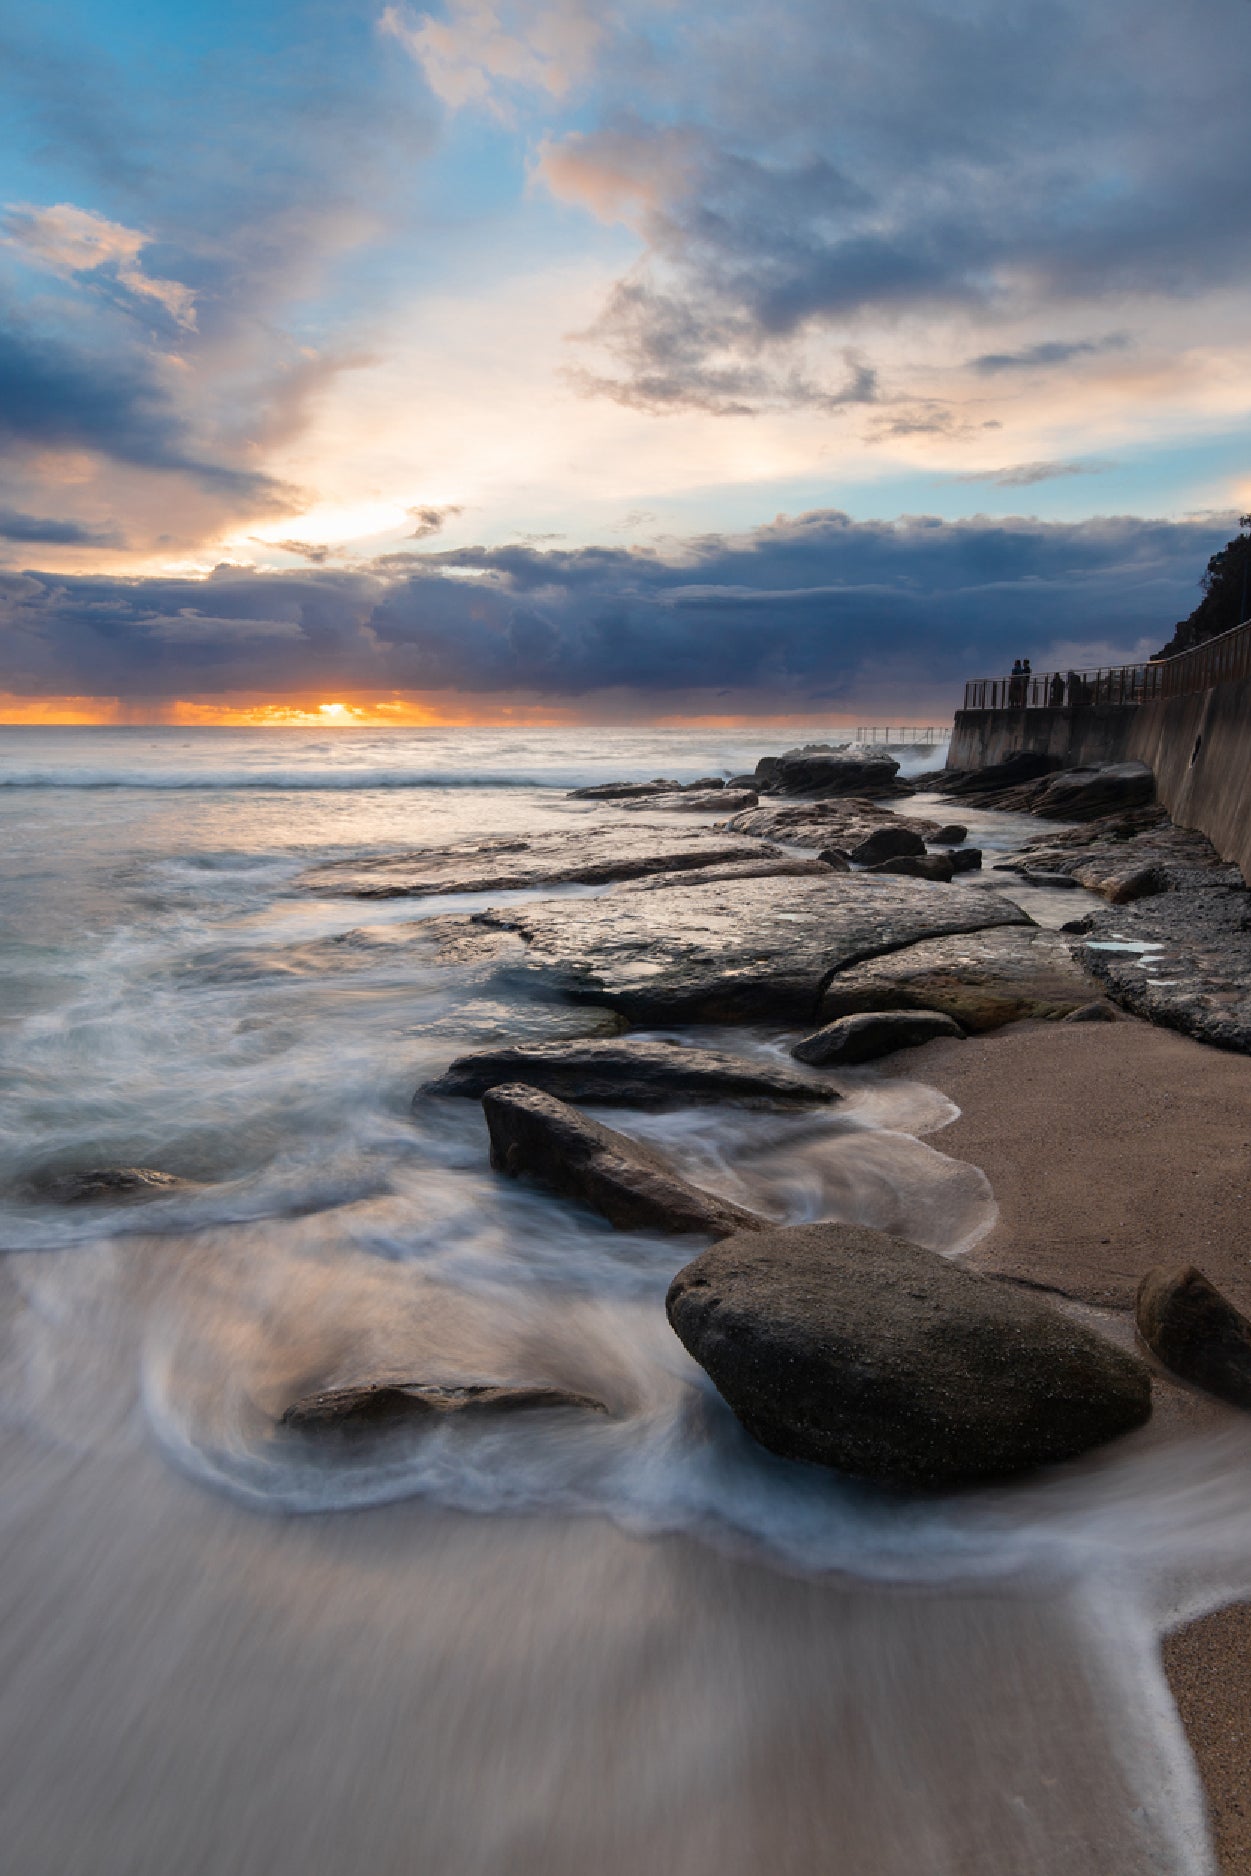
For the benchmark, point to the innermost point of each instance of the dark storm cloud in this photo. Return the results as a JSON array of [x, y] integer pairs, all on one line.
[[922, 156], [15, 526], [1047, 352], [792, 613]]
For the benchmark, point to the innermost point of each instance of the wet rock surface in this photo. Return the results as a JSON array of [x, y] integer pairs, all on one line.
[[379, 1406], [983, 979], [822, 824], [887, 843], [939, 868], [728, 951], [625, 791], [1182, 960], [1129, 856], [107, 1182], [699, 801], [627, 1073], [535, 1135], [965, 859], [769, 866], [839, 1345], [863, 1038], [951, 834], [1194, 1330], [820, 769], [585, 856]]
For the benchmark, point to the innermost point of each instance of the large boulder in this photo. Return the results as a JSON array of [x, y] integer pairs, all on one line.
[[983, 979], [1194, 1330], [843, 1346], [626, 1073], [864, 1038], [728, 951], [965, 859], [888, 843], [820, 769], [585, 856], [534, 1135], [380, 1406]]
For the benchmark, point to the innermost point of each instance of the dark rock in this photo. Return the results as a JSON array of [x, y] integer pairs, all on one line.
[[983, 979], [704, 783], [698, 801], [1182, 960], [840, 1345], [585, 856], [1061, 882], [623, 791], [837, 858], [888, 843], [378, 1406], [1076, 925], [1194, 1330], [749, 780], [976, 784], [819, 769], [1131, 855], [744, 949], [1100, 1011], [952, 835], [863, 1038], [535, 1135], [1086, 794], [108, 1182], [820, 824], [627, 1073], [932, 866], [966, 860]]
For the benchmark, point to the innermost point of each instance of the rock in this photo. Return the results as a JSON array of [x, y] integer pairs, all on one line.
[[624, 791], [742, 781], [632, 1186], [932, 866], [1100, 1011], [966, 860], [733, 950], [704, 783], [950, 835], [698, 801], [109, 1182], [1086, 794], [379, 1406], [863, 1038], [835, 857], [983, 979], [819, 769], [887, 843], [1194, 1330], [1061, 882], [839, 1345], [1182, 960], [820, 824], [983, 785], [1078, 925], [585, 856], [626, 1073], [787, 864]]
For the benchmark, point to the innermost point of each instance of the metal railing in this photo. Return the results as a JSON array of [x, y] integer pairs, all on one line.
[[1217, 662], [905, 735]]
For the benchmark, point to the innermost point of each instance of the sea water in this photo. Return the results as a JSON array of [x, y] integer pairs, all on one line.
[[562, 1643]]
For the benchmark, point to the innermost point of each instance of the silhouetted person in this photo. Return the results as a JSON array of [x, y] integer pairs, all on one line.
[[1016, 686], [1057, 691]]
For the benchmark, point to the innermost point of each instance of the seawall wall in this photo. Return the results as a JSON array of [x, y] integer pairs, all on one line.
[[1199, 750], [1075, 737]]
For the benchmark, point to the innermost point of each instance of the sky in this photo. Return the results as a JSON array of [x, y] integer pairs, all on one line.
[[552, 362]]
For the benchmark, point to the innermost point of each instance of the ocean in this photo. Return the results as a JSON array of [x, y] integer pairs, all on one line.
[[561, 1646]]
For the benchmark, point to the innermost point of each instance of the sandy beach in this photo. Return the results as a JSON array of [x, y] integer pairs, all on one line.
[[1110, 1148]]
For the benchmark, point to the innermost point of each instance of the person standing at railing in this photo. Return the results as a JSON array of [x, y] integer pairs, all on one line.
[[1016, 686], [1056, 697]]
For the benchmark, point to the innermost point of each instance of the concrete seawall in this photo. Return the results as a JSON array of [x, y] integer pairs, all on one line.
[[1199, 750], [1198, 747]]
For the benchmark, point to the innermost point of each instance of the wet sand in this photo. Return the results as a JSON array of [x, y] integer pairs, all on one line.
[[1110, 1148]]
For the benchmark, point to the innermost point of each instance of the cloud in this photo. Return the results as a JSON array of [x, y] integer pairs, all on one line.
[[1047, 352], [484, 49], [805, 613], [75, 241], [1024, 475], [15, 526], [315, 552], [431, 520]]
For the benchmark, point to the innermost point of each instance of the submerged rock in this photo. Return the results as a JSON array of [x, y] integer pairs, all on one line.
[[732, 950], [843, 1346], [1194, 1330], [888, 843], [625, 1073], [377, 1406], [983, 979], [108, 1182], [537, 1136], [587, 856], [931, 866], [863, 1038]]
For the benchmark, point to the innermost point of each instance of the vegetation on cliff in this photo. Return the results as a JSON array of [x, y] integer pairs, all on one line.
[[1226, 595]]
